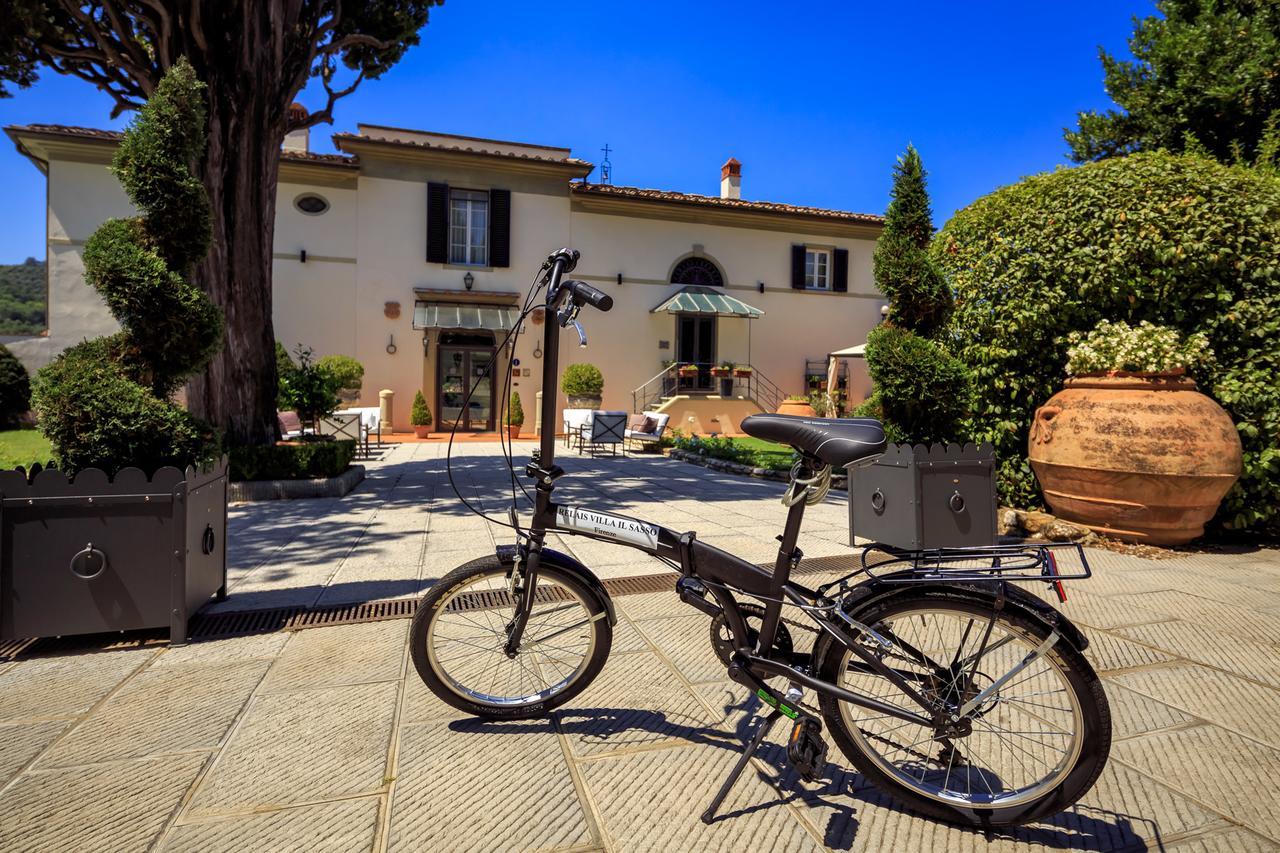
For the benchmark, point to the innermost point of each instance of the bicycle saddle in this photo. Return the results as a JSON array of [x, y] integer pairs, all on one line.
[[835, 441]]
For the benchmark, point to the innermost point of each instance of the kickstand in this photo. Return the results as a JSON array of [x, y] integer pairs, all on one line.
[[749, 750]]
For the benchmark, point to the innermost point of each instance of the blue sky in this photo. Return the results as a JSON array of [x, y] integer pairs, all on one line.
[[816, 99]]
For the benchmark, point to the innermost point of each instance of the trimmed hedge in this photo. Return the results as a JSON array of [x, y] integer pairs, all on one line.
[[307, 460], [1179, 241]]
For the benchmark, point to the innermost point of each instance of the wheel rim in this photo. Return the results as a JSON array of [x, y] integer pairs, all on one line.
[[1025, 738], [466, 641]]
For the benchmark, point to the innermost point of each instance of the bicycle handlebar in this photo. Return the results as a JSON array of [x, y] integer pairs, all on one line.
[[581, 293]]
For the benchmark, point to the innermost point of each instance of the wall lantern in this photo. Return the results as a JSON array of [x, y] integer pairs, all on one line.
[[426, 344], [302, 256], [884, 310], [761, 284], [619, 279], [468, 280]]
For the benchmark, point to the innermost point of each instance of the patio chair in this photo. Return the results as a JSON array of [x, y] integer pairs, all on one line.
[[572, 422], [290, 425], [645, 430], [604, 430]]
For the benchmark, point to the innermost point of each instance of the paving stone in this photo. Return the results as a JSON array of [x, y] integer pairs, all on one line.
[[1218, 697], [637, 701], [66, 685], [653, 605], [293, 748], [1230, 619], [651, 801], [1227, 771], [1258, 661], [173, 709], [516, 794], [1230, 840], [1134, 714], [233, 650], [686, 641], [344, 654], [1107, 652], [21, 742], [347, 826], [373, 581], [121, 806], [1096, 610]]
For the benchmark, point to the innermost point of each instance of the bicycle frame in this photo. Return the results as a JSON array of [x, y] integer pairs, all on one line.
[[702, 565]]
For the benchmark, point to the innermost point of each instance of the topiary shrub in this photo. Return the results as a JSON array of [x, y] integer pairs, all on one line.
[[1179, 241], [921, 390], [306, 461], [346, 374], [419, 415], [106, 402], [515, 412], [15, 389], [582, 380]]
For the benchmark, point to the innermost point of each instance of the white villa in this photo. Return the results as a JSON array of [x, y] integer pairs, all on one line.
[[411, 250]]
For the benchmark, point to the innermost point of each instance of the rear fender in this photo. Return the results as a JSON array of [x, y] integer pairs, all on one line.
[[1015, 597], [570, 566]]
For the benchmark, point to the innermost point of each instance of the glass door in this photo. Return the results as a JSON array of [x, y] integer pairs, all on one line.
[[463, 371], [696, 344]]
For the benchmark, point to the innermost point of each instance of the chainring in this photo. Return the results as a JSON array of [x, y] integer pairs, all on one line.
[[753, 615]]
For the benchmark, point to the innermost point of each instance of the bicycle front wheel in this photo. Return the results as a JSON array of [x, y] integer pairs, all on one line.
[[459, 635], [1031, 741]]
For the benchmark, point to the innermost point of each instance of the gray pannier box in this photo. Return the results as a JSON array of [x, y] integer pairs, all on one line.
[[917, 498]]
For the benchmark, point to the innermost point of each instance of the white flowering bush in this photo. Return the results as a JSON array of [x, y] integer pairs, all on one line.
[[1144, 348]]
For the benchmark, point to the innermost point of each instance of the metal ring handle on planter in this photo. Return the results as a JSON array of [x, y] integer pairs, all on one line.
[[956, 502], [877, 500], [207, 541], [88, 563]]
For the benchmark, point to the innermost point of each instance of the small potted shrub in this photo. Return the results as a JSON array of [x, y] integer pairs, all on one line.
[[420, 416], [796, 404], [515, 416], [1129, 447], [582, 384], [722, 370], [345, 374], [742, 371]]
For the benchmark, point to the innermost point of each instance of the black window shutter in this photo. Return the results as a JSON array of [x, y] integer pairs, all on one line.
[[500, 228], [840, 283], [797, 266], [437, 223]]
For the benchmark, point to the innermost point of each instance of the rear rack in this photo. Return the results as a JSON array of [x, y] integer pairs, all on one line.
[[982, 564]]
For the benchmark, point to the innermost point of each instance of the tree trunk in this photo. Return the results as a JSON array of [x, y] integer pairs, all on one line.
[[237, 391]]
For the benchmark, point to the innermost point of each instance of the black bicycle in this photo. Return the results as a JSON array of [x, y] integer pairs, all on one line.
[[945, 683]]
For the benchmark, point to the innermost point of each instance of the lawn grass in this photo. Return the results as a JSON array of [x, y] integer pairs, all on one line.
[[768, 454], [22, 447]]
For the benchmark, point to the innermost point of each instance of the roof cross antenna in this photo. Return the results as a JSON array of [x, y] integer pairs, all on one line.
[[606, 168]]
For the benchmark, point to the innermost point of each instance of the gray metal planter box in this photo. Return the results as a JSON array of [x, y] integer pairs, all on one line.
[[94, 554], [917, 497]]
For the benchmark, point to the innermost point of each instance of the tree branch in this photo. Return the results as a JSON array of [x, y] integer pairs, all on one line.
[[92, 29], [325, 116], [339, 45]]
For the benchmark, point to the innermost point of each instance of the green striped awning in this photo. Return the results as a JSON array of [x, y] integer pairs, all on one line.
[[700, 299], [456, 315]]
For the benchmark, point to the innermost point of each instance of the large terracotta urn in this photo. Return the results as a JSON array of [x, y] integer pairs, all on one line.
[[1140, 457], [796, 407]]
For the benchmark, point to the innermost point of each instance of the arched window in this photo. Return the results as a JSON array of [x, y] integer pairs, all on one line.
[[697, 271]]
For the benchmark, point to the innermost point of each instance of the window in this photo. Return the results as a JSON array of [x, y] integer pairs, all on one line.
[[311, 204], [817, 269], [469, 227], [697, 271]]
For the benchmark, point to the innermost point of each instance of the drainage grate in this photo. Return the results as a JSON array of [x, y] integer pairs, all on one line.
[[216, 626]]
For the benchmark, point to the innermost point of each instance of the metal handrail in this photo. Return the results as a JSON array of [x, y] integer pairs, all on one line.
[[667, 383]]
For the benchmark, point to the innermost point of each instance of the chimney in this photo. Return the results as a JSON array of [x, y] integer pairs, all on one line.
[[297, 140], [731, 179]]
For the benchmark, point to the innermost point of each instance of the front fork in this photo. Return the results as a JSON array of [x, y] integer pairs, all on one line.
[[524, 582]]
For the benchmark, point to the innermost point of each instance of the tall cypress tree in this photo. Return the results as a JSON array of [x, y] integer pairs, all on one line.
[[921, 390]]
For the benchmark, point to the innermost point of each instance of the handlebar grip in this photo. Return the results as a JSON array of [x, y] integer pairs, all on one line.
[[584, 294]]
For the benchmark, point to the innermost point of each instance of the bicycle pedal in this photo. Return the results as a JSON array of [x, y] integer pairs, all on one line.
[[806, 749]]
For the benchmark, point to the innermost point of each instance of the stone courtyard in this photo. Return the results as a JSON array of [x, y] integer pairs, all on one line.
[[324, 739]]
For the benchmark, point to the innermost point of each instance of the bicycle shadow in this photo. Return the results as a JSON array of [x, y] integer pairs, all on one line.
[[839, 796]]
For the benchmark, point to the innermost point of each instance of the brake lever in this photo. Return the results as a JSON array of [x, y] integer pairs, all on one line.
[[582, 335]]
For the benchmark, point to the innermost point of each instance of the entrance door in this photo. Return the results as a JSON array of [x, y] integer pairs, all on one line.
[[696, 344], [465, 370]]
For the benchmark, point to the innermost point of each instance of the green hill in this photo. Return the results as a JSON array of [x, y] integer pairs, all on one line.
[[22, 298]]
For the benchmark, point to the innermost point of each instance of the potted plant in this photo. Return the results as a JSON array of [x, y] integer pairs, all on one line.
[[1129, 447], [796, 404], [582, 385], [515, 416], [720, 371], [742, 371], [420, 416], [687, 370]]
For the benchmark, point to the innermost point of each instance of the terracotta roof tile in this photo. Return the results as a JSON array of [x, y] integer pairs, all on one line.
[[639, 193], [339, 138], [116, 135]]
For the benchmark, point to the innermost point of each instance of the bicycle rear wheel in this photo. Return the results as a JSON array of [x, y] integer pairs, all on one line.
[[1031, 747], [460, 630]]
